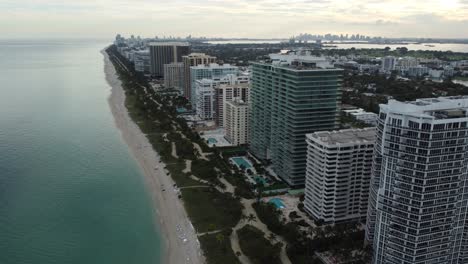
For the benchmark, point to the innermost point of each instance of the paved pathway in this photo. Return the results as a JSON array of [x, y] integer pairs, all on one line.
[[200, 150], [174, 150]]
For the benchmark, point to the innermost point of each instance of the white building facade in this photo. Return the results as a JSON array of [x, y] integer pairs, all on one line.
[[418, 196], [205, 96], [212, 71], [363, 116], [194, 59], [338, 174]]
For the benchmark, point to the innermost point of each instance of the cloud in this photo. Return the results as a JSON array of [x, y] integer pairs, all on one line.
[[238, 18], [381, 22]]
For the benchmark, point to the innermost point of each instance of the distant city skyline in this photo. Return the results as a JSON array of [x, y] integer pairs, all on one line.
[[229, 18]]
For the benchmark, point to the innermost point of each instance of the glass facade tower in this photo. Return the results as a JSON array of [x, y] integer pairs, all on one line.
[[288, 101]]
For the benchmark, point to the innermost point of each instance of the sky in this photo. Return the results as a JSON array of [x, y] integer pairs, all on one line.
[[232, 18]]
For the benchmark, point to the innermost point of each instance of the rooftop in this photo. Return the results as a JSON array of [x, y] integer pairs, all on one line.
[[435, 108], [300, 59], [169, 44], [345, 136], [198, 55], [214, 66]]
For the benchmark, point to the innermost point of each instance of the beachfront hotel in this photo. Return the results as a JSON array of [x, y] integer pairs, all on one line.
[[338, 174], [291, 96], [418, 196], [162, 53]]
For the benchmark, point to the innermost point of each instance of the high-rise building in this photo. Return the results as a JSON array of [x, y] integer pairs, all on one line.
[[212, 71], [237, 122], [162, 53], [205, 96], [190, 60], [417, 209], [230, 88], [142, 61], [338, 174], [290, 100], [174, 76], [388, 63]]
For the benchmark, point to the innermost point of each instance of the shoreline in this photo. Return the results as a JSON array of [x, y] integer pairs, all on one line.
[[169, 212]]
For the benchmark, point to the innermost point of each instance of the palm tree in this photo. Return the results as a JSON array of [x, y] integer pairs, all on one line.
[[251, 217]]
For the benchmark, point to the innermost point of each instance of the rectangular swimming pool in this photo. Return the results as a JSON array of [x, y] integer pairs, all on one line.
[[212, 141], [242, 162]]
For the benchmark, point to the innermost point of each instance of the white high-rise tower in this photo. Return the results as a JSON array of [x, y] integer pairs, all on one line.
[[418, 195]]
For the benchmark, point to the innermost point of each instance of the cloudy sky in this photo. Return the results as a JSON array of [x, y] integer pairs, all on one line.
[[233, 18]]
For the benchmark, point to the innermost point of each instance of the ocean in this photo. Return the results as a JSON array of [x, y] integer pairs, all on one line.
[[70, 191]]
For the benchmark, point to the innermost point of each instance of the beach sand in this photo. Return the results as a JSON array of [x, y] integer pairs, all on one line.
[[180, 242]]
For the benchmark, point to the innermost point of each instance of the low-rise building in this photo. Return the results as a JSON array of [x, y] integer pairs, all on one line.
[[338, 174], [363, 116], [418, 71]]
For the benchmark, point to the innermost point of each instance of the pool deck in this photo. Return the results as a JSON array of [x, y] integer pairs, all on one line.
[[217, 135]]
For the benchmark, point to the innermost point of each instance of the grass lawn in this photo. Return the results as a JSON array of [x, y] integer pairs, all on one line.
[[211, 210], [217, 248], [180, 178]]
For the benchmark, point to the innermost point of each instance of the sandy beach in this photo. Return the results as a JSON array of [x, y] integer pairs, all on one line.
[[180, 243]]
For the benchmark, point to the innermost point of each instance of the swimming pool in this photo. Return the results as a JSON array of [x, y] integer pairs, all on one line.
[[181, 110], [212, 141], [278, 203], [260, 180], [242, 162]]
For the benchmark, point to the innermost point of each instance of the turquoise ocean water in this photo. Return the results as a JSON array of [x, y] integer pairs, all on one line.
[[70, 192]]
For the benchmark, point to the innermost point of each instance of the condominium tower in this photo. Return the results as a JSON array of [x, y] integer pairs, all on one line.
[[230, 88], [237, 122], [162, 53], [205, 97], [338, 174], [290, 99], [142, 61], [174, 76], [418, 195], [190, 60], [212, 71]]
